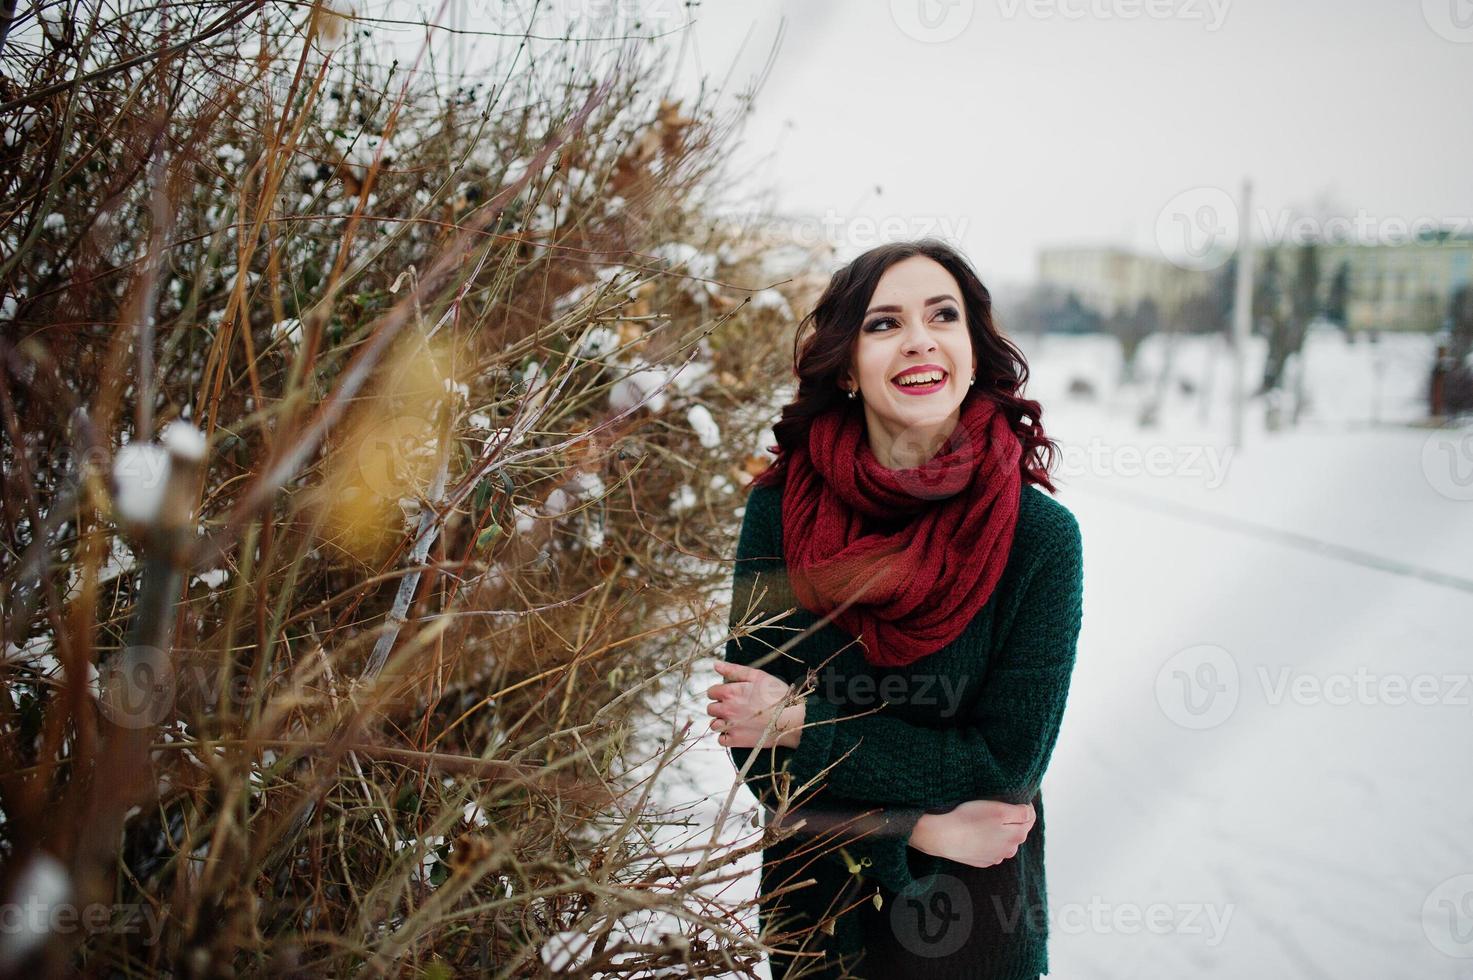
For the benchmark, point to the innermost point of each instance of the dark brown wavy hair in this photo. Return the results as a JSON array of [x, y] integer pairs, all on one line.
[[823, 349]]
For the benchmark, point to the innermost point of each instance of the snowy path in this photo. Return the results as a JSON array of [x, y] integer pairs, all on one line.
[[1283, 831], [1319, 827]]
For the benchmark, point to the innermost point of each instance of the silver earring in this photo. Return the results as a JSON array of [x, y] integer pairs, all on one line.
[[853, 392], [973, 381]]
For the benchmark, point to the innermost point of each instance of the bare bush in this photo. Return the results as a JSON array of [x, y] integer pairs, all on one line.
[[364, 497]]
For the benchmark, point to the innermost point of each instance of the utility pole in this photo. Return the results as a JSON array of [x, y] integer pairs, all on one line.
[[1242, 307]]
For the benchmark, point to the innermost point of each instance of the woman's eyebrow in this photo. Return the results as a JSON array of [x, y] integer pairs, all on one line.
[[896, 309]]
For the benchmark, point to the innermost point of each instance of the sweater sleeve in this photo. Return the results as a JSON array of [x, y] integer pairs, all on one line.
[[760, 592], [1001, 750]]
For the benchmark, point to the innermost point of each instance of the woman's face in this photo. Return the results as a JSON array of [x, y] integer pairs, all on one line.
[[915, 327]]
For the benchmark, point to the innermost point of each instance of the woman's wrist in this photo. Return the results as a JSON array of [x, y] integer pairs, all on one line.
[[923, 834], [790, 724]]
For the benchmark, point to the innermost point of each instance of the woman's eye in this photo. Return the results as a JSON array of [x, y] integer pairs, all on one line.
[[948, 313]]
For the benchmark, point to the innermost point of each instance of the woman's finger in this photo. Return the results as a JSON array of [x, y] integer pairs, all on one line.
[[720, 691], [735, 672], [718, 709]]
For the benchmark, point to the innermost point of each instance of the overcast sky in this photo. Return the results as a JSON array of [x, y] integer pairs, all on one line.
[[1015, 124]]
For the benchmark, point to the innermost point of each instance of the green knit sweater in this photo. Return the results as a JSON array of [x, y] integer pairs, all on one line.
[[976, 720]]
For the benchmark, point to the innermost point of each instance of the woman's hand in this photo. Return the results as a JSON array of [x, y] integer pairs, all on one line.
[[743, 706], [981, 833]]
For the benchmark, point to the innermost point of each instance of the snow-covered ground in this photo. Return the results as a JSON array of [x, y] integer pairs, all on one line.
[[1264, 767], [1272, 712]]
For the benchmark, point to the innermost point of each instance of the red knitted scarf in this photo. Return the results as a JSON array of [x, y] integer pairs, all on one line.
[[918, 550]]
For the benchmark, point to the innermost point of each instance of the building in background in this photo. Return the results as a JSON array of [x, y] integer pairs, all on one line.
[[1111, 280], [1401, 287]]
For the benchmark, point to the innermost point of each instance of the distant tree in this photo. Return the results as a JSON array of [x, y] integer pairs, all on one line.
[[1306, 304], [1075, 317], [1268, 295], [1461, 318], [1337, 303], [1131, 327], [1458, 380], [1019, 312], [1288, 312], [1196, 315], [1210, 311], [1224, 285], [1047, 309]]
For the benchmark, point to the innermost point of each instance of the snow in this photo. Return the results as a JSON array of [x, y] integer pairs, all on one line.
[[588, 484], [606, 282], [40, 891], [704, 425], [690, 378], [139, 475], [515, 170], [1257, 773], [120, 560], [645, 383], [290, 329], [558, 502], [701, 266], [681, 254], [771, 299], [568, 949], [184, 441], [141, 471], [1322, 578], [36, 657], [765, 441], [534, 377], [563, 951], [683, 500], [421, 873], [526, 523], [213, 579], [599, 342]]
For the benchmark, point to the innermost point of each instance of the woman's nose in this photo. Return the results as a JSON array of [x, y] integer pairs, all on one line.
[[918, 338]]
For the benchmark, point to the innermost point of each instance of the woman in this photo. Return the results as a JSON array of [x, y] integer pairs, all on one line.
[[898, 722]]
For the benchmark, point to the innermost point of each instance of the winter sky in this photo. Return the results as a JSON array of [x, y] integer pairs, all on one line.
[[1025, 123], [1010, 125]]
